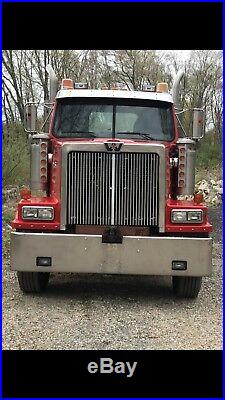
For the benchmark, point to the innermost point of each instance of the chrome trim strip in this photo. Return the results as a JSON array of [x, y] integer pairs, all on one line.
[[131, 147]]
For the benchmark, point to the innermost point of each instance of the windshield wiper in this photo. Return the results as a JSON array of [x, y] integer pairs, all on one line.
[[144, 135], [87, 132]]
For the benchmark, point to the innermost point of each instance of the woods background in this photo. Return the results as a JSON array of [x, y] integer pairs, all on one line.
[[25, 79]]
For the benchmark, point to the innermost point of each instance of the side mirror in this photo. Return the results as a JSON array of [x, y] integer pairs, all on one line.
[[198, 123], [30, 117]]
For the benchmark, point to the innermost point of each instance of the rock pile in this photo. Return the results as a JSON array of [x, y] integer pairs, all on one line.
[[212, 191], [11, 193]]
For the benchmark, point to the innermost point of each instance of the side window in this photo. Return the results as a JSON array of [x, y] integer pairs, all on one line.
[[166, 121]]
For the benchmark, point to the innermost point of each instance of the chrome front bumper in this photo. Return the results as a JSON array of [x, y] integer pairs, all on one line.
[[87, 254]]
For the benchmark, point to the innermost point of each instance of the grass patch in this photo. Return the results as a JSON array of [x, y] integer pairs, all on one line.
[[8, 214]]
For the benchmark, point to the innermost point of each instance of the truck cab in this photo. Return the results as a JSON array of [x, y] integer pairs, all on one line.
[[112, 190]]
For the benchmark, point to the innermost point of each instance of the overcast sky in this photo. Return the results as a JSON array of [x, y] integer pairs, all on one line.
[[184, 54]]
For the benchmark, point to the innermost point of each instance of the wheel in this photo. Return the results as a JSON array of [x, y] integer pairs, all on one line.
[[186, 286], [33, 282]]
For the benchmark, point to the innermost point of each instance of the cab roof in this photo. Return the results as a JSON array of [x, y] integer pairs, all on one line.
[[116, 94]]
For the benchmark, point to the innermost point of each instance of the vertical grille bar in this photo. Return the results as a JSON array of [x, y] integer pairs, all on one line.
[[157, 185], [109, 182], [69, 185], [103, 186], [153, 194], [122, 177], [112, 189]]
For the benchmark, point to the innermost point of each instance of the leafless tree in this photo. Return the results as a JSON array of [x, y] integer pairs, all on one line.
[[25, 77]]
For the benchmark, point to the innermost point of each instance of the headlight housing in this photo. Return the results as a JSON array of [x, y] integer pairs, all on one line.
[[38, 213], [186, 216]]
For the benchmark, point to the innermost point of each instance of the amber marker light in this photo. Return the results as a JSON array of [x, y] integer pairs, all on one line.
[[162, 87], [67, 84], [25, 193], [198, 198]]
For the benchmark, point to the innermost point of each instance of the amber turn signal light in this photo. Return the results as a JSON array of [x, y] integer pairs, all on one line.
[[198, 198], [25, 193]]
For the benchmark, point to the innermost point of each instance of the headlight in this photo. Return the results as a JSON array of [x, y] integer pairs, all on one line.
[[195, 216], [43, 213], [186, 216], [46, 213], [179, 216], [30, 213]]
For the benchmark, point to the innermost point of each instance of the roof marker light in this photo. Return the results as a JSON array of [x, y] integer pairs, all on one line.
[[67, 84], [148, 87], [81, 85], [162, 87]]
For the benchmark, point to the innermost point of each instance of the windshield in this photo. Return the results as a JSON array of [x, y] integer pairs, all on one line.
[[114, 118]]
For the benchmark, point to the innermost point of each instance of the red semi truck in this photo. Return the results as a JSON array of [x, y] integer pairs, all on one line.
[[112, 189]]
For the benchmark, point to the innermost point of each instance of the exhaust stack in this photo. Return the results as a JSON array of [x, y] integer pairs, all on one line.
[[175, 90], [53, 83]]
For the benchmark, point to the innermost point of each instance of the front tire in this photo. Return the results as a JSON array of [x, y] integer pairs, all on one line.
[[33, 282], [186, 286]]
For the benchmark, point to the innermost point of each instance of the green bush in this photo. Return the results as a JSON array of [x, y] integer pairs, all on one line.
[[209, 153], [16, 156]]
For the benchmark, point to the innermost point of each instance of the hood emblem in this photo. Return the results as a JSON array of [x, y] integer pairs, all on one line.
[[113, 146]]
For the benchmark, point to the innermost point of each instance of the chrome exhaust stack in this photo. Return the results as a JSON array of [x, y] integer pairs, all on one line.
[[176, 91], [53, 83], [40, 142], [186, 147]]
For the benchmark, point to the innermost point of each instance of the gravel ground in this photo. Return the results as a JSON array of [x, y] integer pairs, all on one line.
[[115, 312]]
